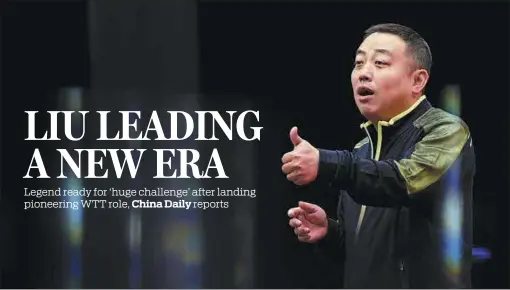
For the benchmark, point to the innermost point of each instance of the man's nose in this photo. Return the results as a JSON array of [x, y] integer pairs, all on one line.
[[364, 78], [365, 73]]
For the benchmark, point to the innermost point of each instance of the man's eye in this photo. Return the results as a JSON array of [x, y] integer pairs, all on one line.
[[358, 63], [381, 63]]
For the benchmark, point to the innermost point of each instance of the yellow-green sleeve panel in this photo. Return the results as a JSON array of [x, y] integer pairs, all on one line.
[[444, 138]]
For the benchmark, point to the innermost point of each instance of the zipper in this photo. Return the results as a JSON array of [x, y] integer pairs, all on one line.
[[403, 277], [376, 157], [360, 219]]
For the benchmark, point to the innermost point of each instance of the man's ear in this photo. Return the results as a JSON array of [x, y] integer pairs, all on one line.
[[420, 79]]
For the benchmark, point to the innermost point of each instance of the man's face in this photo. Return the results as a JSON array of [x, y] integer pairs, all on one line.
[[381, 78]]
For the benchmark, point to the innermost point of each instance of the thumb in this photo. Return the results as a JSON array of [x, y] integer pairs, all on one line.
[[308, 207], [294, 137]]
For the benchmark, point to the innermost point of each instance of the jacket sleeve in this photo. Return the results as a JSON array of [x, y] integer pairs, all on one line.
[[331, 247], [390, 182]]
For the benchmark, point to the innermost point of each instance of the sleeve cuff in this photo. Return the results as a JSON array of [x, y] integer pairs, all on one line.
[[333, 165], [328, 165], [332, 237]]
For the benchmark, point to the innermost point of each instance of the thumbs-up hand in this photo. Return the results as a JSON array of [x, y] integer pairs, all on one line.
[[301, 164]]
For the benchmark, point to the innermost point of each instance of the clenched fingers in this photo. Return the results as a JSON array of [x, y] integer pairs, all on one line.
[[287, 157], [294, 176], [289, 167]]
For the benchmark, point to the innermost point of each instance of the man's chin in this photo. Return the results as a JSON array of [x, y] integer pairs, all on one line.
[[368, 112]]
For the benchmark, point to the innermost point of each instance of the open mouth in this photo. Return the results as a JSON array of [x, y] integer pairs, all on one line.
[[364, 91]]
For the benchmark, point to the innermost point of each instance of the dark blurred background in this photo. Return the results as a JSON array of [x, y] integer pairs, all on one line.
[[290, 61]]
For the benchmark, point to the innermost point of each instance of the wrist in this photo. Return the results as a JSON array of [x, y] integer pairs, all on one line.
[[331, 230]]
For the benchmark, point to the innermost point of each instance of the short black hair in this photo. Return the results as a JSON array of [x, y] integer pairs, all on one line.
[[416, 45]]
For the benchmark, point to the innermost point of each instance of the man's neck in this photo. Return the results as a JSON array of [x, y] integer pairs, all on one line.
[[406, 105]]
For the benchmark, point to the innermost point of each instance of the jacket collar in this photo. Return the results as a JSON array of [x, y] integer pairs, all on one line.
[[412, 113]]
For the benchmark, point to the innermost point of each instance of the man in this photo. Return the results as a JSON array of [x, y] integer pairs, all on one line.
[[396, 182]]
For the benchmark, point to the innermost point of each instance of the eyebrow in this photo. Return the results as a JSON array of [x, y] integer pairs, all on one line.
[[379, 50]]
